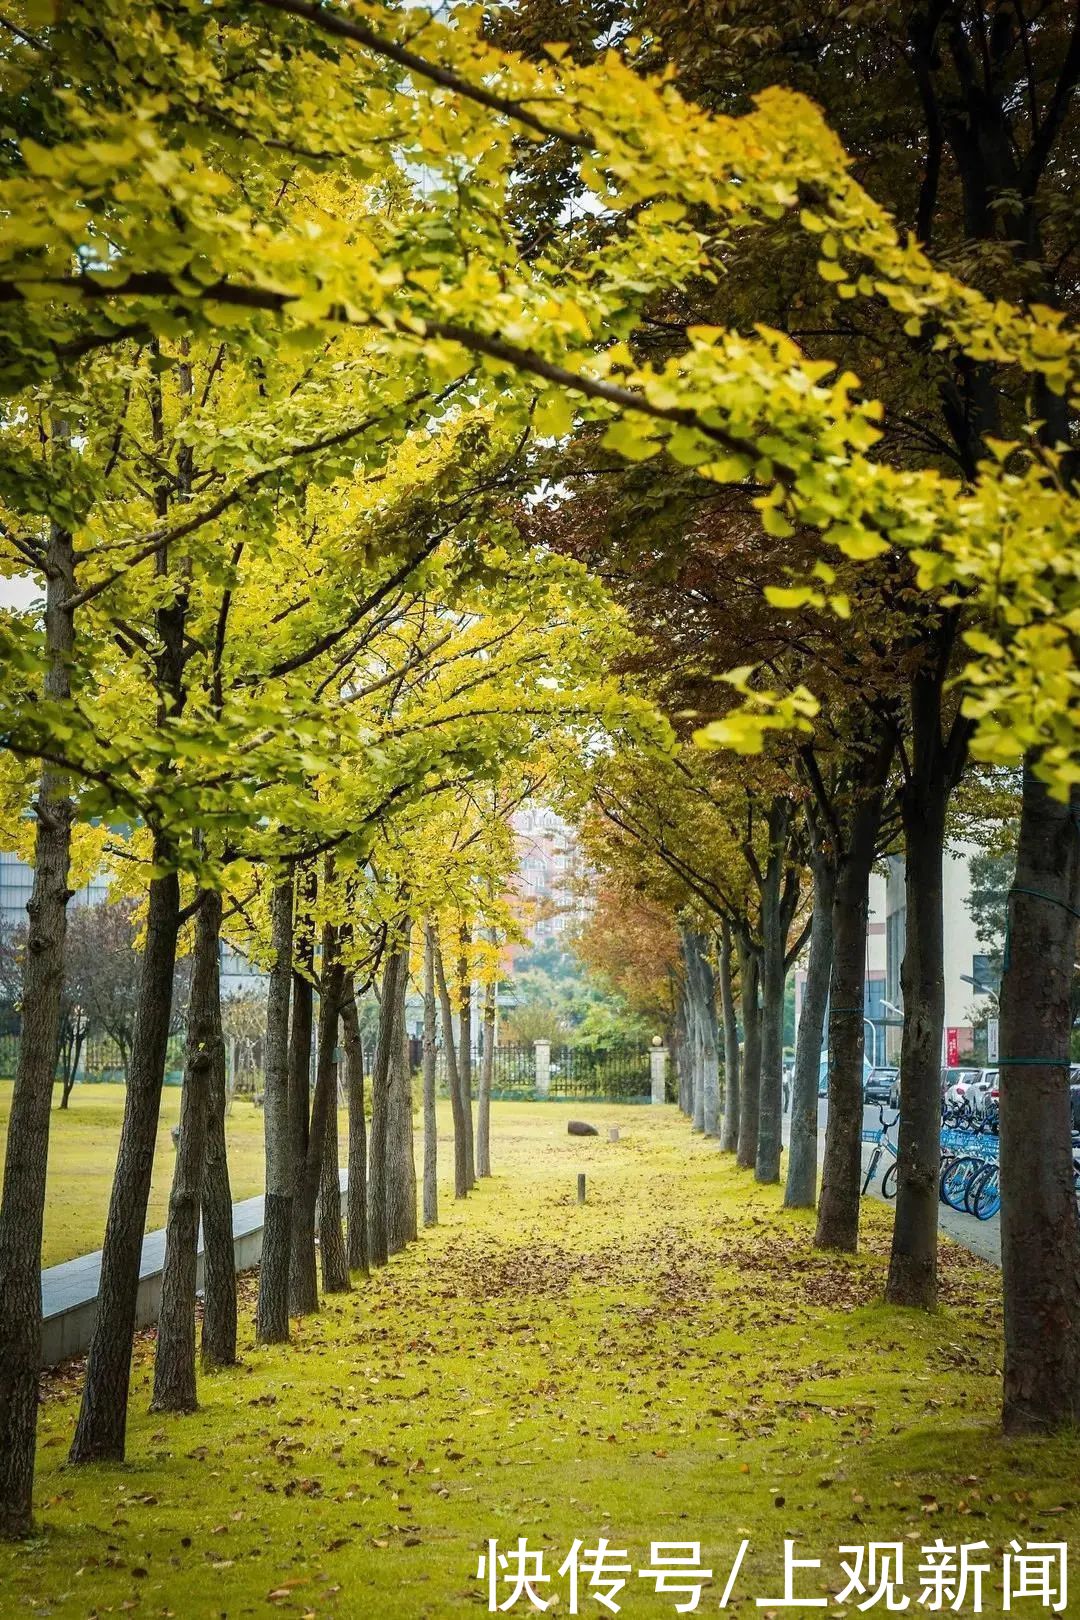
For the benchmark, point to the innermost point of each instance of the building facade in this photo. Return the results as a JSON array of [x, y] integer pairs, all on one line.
[[965, 958], [548, 887], [238, 977]]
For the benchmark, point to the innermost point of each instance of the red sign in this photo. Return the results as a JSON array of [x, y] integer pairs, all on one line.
[[952, 1048]]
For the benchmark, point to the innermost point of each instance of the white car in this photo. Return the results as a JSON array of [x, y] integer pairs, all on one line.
[[974, 1087]]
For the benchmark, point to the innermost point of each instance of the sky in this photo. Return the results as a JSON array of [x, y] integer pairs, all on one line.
[[19, 592]]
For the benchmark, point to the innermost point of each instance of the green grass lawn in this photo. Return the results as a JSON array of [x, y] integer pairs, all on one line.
[[82, 1154], [671, 1362]]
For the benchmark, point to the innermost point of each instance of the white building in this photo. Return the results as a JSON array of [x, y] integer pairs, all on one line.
[[548, 880], [16, 882], [965, 957], [238, 976]]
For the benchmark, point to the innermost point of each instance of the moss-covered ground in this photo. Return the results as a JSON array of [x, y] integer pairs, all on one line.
[[671, 1361]]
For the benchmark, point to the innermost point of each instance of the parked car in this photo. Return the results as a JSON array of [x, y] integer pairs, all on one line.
[[1074, 1095], [974, 1087], [879, 1085], [823, 1075], [951, 1078]]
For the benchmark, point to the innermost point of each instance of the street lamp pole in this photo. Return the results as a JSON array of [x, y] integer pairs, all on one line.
[[873, 1039]]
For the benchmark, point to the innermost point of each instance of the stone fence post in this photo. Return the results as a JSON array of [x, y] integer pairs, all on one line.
[[542, 1059], [658, 1066]]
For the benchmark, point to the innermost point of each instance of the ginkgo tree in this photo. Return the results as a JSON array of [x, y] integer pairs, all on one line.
[[174, 184], [190, 717]]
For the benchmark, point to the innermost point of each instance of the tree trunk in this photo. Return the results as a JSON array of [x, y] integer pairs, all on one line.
[[801, 1190], [1040, 1236], [332, 1250], [102, 1425], [841, 1182], [465, 1054], [461, 1181], [174, 1361], [72, 1053], [303, 1282], [729, 1137], [712, 1046], [913, 1263], [305, 1299], [683, 1054], [779, 889], [272, 1311], [401, 1164], [771, 1087], [219, 1252], [22, 1208], [397, 968], [356, 1198], [431, 1129], [706, 1062], [690, 946], [487, 1071], [750, 1088]]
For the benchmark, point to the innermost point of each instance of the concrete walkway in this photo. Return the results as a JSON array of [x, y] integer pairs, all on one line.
[[69, 1291], [982, 1238]]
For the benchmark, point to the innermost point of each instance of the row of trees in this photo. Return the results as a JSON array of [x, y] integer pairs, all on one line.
[[367, 473]]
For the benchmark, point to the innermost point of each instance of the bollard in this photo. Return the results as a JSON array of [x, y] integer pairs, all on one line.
[[581, 1188]]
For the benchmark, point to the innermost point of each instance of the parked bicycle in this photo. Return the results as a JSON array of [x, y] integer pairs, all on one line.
[[970, 1184], [883, 1144]]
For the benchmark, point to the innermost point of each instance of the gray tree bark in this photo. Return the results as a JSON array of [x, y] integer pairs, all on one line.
[[219, 1254], [323, 1101], [750, 1087], [356, 1201], [401, 1165], [381, 1140], [461, 1181], [729, 1137], [22, 1208], [701, 997], [272, 1311], [690, 946], [487, 1072], [841, 1180], [711, 1045], [303, 1282], [935, 769], [1040, 1234], [431, 1130], [801, 1189], [683, 1050], [102, 1426], [332, 1250], [174, 1361], [913, 1262], [779, 899], [465, 1053]]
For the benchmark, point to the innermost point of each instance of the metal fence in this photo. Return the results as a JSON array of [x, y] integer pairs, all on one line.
[[513, 1071], [100, 1060], [576, 1074], [601, 1074]]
